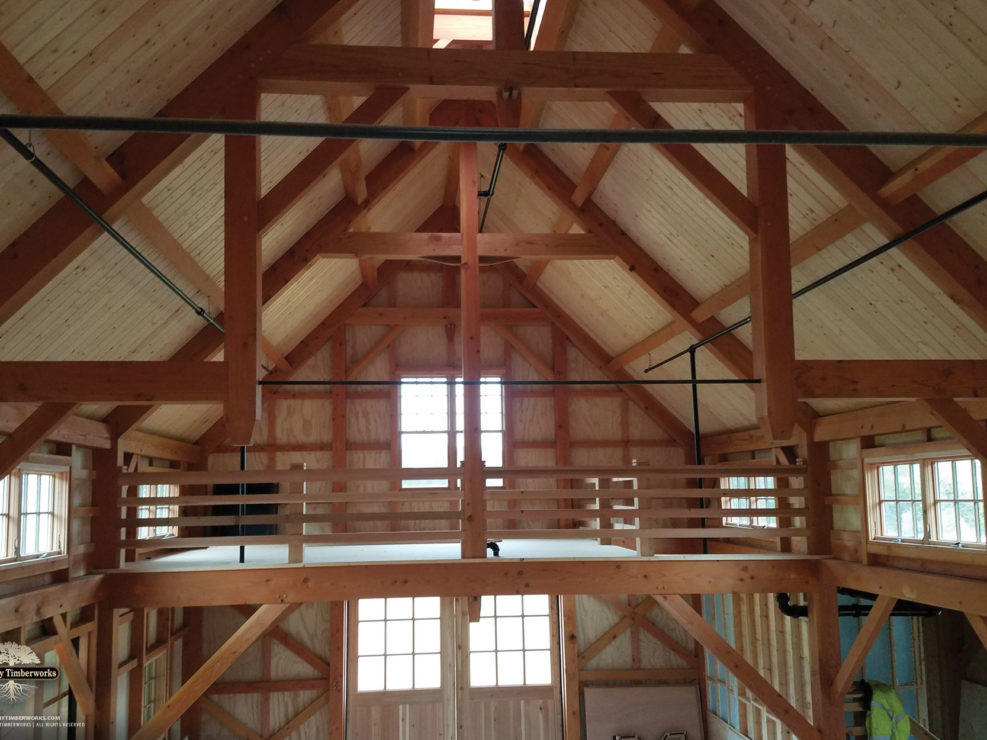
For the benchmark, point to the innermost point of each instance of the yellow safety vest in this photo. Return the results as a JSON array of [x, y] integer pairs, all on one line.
[[887, 718]]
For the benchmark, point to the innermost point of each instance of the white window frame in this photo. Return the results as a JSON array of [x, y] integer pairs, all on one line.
[[157, 511], [453, 432], [922, 459], [512, 628], [14, 513], [365, 649], [749, 500]]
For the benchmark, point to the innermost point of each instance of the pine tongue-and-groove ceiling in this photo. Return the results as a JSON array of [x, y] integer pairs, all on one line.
[[905, 65]]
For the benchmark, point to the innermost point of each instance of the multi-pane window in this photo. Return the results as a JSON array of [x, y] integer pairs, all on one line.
[[32, 512], [748, 501], [511, 645], [936, 500], [155, 686], [157, 511], [431, 425], [399, 644]]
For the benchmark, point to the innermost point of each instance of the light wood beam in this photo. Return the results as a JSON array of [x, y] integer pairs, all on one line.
[[556, 22], [391, 245], [191, 691], [482, 73], [227, 720], [43, 603], [640, 619], [474, 525], [64, 231], [357, 368], [948, 592], [824, 637], [703, 633], [543, 368], [595, 353], [431, 315], [334, 582], [772, 322], [890, 378], [979, 624], [871, 628], [107, 661], [605, 640], [302, 717], [32, 431], [113, 382], [243, 268], [301, 651], [337, 665], [892, 417], [960, 424], [931, 165], [280, 198], [945, 257], [571, 724], [669, 293], [508, 34], [74, 672], [702, 173], [417, 30]]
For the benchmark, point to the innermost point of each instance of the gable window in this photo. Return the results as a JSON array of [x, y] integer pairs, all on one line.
[[33, 500], [511, 645], [748, 485], [933, 499], [398, 644], [157, 511], [431, 425]]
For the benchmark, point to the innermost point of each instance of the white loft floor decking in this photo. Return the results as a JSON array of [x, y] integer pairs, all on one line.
[[268, 555]]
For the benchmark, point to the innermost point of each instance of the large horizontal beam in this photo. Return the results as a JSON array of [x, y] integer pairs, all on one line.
[[484, 73], [935, 589], [891, 378], [42, 603], [443, 316], [113, 382], [384, 245], [887, 419], [338, 582]]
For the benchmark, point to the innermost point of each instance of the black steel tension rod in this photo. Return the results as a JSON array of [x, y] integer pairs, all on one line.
[[417, 381], [853, 264], [69, 193], [492, 135]]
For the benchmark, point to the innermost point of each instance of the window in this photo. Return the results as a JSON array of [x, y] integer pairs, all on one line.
[[928, 499], [398, 644], [431, 425], [511, 645], [746, 501], [157, 511], [32, 511], [155, 686]]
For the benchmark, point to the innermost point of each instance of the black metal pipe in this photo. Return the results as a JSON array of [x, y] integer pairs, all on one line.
[[67, 191], [901, 608], [492, 135], [529, 32], [450, 381], [697, 439], [494, 176], [242, 507], [853, 264]]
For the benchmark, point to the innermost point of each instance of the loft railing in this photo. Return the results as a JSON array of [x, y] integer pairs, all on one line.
[[635, 506]]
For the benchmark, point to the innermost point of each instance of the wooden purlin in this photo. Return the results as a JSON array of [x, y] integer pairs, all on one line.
[[944, 256], [64, 231]]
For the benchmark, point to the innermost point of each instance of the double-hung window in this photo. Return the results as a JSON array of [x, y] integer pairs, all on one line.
[[749, 500], [33, 500], [431, 423], [931, 498]]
